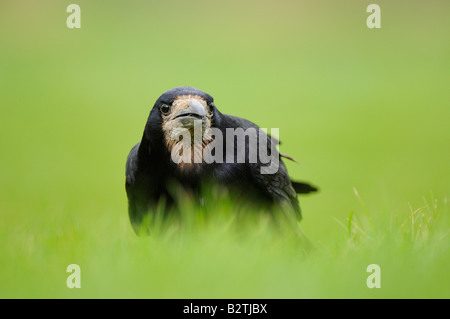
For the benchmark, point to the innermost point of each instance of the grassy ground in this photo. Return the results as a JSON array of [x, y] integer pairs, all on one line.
[[364, 111]]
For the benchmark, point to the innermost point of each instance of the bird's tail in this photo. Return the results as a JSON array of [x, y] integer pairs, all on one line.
[[303, 188]]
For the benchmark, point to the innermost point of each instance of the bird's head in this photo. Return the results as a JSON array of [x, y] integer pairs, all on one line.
[[183, 115]]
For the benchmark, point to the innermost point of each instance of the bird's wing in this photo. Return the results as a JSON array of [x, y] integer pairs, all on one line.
[[278, 185], [131, 166], [134, 188]]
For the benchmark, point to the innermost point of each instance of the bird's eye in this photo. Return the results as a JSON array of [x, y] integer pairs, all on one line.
[[165, 108]]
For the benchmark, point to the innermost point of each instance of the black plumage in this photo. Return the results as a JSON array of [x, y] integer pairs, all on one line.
[[151, 170]]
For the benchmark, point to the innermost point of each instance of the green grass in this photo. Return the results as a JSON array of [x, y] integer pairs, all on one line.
[[220, 253], [364, 111]]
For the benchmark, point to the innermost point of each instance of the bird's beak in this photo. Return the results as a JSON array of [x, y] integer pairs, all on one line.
[[194, 112]]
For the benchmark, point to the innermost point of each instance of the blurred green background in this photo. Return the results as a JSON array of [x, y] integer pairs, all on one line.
[[359, 108]]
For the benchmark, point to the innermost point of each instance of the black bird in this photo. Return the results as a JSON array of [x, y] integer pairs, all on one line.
[[188, 142]]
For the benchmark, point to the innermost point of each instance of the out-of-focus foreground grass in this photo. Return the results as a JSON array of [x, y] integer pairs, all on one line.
[[364, 111]]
